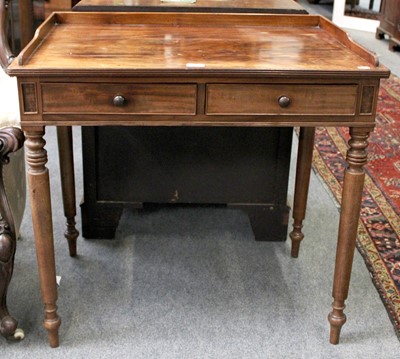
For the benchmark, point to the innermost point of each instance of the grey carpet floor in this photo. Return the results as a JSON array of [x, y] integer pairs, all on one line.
[[193, 283]]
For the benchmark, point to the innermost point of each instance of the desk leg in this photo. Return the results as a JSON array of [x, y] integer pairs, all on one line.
[[303, 171], [65, 151], [349, 217], [39, 189]]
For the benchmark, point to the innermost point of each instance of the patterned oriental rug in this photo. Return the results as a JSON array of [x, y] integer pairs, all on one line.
[[379, 226]]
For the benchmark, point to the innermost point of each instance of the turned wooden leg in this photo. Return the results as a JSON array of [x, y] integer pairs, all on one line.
[[349, 216], [303, 171], [11, 139], [39, 189], [65, 151]]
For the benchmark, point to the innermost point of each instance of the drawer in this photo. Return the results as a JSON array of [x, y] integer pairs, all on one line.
[[87, 98], [258, 99]]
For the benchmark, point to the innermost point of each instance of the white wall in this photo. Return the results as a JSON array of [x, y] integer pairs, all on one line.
[[351, 22]]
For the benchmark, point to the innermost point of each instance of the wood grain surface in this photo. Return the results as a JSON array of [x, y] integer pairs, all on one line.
[[133, 42]]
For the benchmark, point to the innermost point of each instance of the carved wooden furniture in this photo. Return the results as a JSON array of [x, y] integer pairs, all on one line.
[[203, 70], [192, 162], [12, 200], [390, 23], [58, 5], [26, 21], [12, 182]]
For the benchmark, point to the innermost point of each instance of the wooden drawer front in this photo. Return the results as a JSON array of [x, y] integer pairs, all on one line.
[[242, 99], [86, 98]]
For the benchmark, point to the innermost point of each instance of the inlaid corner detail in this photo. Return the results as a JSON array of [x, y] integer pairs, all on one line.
[[367, 100], [29, 98]]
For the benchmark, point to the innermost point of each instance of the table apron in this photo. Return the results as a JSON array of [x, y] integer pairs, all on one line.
[[246, 102]]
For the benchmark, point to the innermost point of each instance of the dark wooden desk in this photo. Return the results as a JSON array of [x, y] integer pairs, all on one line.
[[224, 6], [202, 70], [194, 164]]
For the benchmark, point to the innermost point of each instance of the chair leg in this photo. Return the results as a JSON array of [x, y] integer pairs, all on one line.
[[11, 139]]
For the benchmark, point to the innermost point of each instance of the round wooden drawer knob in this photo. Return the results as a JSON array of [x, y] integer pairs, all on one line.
[[119, 101], [284, 101]]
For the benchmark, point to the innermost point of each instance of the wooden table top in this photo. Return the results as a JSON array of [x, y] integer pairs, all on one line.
[[134, 43], [259, 6]]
